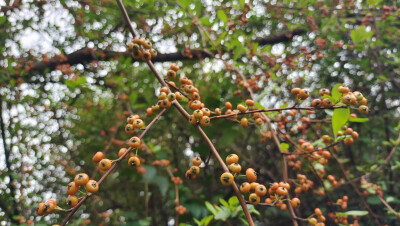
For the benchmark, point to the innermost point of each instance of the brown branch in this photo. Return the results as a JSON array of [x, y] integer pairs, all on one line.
[[74, 209]]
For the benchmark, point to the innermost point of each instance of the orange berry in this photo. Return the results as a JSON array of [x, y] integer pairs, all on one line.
[[134, 142], [81, 179], [254, 198], [235, 167], [72, 200], [343, 89], [227, 179], [245, 187], [295, 91], [261, 190], [304, 94], [249, 102], [72, 188], [232, 158], [251, 175], [295, 202], [282, 191], [174, 67], [205, 121], [134, 162], [241, 108], [40, 210], [228, 105], [324, 91], [105, 164], [197, 161], [318, 212], [244, 122], [98, 156], [121, 152], [92, 186]]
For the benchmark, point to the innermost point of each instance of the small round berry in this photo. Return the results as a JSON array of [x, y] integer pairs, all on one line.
[[195, 96], [138, 123], [174, 67], [283, 207], [304, 94], [206, 111], [324, 91], [254, 198], [171, 96], [164, 89], [322, 218], [295, 91], [105, 164], [235, 167], [226, 178], [354, 135], [228, 105], [196, 104], [244, 122], [217, 111], [189, 88], [129, 129], [295, 202], [348, 141], [146, 56], [50, 205], [205, 121], [171, 74], [253, 185], [326, 138], [146, 44], [259, 121], [72, 188], [98, 156], [241, 108], [134, 142], [245, 187], [284, 185], [363, 109], [92, 186], [72, 200], [81, 179], [198, 114], [232, 158], [40, 210], [149, 112], [189, 175], [261, 190], [316, 103], [121, 152], [249, 102], [153, 53], [268, 201], [282, 191], [313, 221], [343, 89], [194, 170], [363, 101], [192, 120], [358, 95], [134, 162], [162, 96], [318, 212], [131, 118], [197, 161], [178, 95], [327, 103], [251, 175]]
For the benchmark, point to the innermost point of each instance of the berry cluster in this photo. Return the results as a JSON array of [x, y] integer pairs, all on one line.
[[133, 122], [302, 184], [314, 221], [194, 170], [141, 49], [343, 202]]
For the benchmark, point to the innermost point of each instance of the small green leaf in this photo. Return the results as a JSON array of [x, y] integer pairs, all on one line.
[[259, 106], [284, 146], [360, 34], [222, 16], [339, 118], [359, 120], [210, 208], [223, 202], [335, 92], [233, 201], [352, 213]]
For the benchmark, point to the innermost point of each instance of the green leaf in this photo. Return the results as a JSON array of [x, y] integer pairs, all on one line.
[[352, 213], [185, 3], [222, 16], [360, 34], [223, 202], [223, 214], [211, 208], [233, 201], [339, 118], [373, 2], [284, 146], [335, 92], [359, 120], [239, 49], [259, 106]]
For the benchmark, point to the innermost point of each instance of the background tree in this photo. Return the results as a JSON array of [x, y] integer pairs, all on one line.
[[68, 83]]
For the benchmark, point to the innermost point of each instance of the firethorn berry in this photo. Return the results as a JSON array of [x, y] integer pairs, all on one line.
[[232, 158], [358, 95], [129, 129], [274, 186], [254, 198], [171, 97], [197, 161], [174, 67], [324, 91], [259, 121], [205, 121], [295, 202], [149, 112], [251, 175], [189, 88], [321, 218], [72, 200], [171, 74], [81, 179], [189, 175], [147, 44], [206, 111], [122, 151], [50, 205], [198, 114], [313, 221], [146, 56], [162, 95], [245, 187], [340, 133], [363, 101], [217, 111], [241, 108], [92, 186], [195, 96], [138, 123], [228, 105], [343, 89], [348, 141], [318, 212], [155, 107], [268, 200], [354, 135], [40, 210], [316, 103], [98, 156], [303, 94], [166, 103], [195, 170], [134, 162], [226, 178], [284, 185], [327, 103], [253, 185], [134, 142], [283, 207], [295, 91], [131, 118], [249, 102], [261, 190], [235, 167], [282, 191], [363, 109], [326, 154], [105, 164], [178, 95], [164, 89], [195, 105], [244, 122], [192, 120], [349, 131], [326, 138], [153, 53], [72, 188]]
